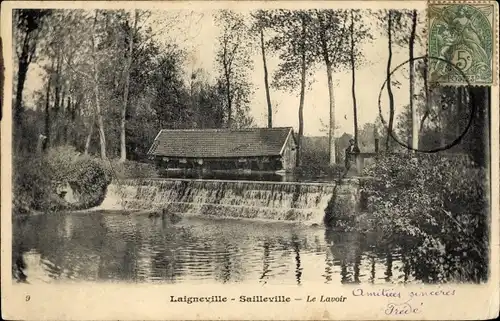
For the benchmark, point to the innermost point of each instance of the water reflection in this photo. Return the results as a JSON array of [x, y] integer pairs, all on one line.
[[296, 250], [133, 248]]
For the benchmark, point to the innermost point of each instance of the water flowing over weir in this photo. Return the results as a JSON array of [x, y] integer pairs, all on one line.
[[303, 202]]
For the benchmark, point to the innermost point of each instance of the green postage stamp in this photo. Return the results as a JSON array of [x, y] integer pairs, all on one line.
[[461, 43]]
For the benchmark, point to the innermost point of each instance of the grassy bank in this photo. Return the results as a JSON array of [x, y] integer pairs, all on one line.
[[435, 207]]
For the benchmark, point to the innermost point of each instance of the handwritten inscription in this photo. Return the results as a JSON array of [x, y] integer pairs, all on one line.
[[402, 309], [402, 302], [431, 293], [390, 293]]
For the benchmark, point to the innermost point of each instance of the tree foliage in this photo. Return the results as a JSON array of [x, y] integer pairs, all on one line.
[[234, 64], [421, 202], [85, 59]]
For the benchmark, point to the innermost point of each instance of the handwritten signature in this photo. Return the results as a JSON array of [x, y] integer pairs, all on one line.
[[402, 308]]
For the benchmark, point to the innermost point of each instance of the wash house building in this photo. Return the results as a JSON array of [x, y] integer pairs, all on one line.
[[258, 149]]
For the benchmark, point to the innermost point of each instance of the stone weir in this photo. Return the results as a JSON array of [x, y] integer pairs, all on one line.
[[283, 201]]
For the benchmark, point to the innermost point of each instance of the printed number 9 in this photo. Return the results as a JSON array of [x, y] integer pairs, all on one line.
[[28, 298]]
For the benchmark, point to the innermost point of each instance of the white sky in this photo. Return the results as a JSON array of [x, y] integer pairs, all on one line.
[[200, 39], [369, 79]]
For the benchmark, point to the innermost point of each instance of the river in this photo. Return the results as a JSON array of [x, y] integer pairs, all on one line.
[[107, 246]]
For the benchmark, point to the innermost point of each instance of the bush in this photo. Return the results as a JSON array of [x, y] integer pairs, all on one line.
[[435, 206], [37, 178], [32, 184], [90, 180]]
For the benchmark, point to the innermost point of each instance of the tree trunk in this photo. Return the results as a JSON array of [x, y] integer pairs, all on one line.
[[21, 79], [302, 96], [62, 121], [18, 140], [89, 136], [57, 96], [328, 64], [123, 146], [229, 102], [389, 86], [413, 108], [57, 86], [353, 73], [266, 82], [427, 98], [331, 136], [68, 120], [100, 121], [22, 71], [46, 142]]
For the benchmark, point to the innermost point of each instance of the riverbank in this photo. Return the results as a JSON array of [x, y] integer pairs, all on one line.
[[436, 206]]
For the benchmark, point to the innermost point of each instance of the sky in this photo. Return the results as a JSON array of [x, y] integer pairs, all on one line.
[[198, 35], [369, 79]]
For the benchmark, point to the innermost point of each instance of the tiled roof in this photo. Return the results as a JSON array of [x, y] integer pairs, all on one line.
[[220, 143]]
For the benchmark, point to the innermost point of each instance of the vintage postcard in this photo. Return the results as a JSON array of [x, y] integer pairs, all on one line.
[[250, 160]]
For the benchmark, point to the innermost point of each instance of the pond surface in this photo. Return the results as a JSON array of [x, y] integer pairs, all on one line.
[[106, 246]]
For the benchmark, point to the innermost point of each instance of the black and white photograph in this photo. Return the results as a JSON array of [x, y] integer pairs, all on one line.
[[252, 144]]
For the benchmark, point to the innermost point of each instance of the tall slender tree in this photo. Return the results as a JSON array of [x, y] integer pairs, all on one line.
[[331, 35], [131, 36], [294, 42], [353, 74], [97, 99], [260, 25], [46, 142], [413, 107], [395, 25], [266, 81], [389, 81], [359, 33], [303, 72]]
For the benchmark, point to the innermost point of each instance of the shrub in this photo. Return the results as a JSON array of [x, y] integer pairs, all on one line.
[[89, 180], [435, 206], [36, 178], [32, 184]]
